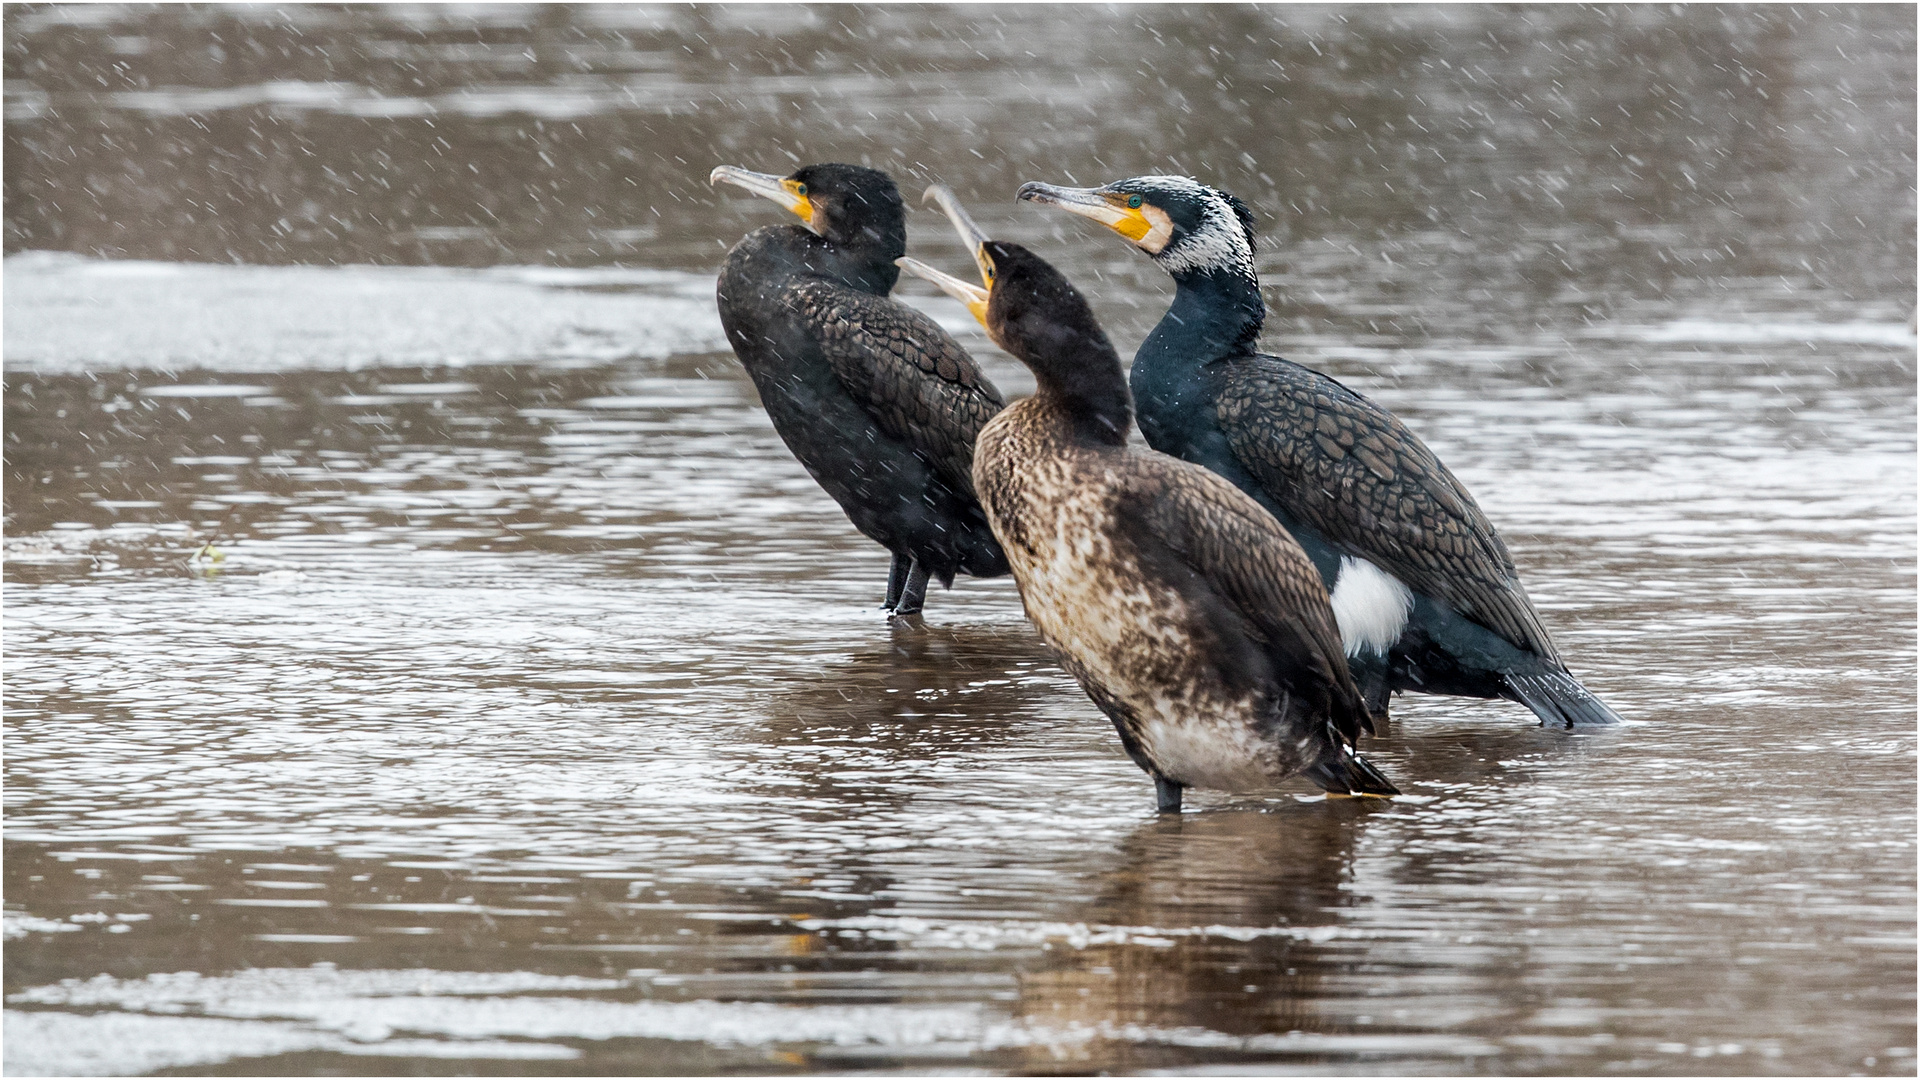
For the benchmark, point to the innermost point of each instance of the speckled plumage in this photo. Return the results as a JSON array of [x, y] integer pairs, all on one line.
[[1186, 612], [915, 381], [1181, 606]]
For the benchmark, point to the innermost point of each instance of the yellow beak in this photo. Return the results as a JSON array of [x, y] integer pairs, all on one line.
[[1145, 225], [966, 292], [970, 234], [768, 186]]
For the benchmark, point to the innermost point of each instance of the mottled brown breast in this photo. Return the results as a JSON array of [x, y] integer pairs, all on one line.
[[916, 382], [1145, 635]]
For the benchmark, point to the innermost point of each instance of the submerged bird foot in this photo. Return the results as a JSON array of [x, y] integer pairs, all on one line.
[[896, 581], [1168, 794], [913, 592]]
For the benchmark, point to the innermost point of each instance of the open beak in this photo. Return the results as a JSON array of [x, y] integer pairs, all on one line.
[[970, 234], [1145, 225], [966, 292], [768, 186]]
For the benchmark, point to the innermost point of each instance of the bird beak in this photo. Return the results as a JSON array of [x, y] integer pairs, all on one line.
[[970, 234], [1145, 225], [768, 186], [966, 292]]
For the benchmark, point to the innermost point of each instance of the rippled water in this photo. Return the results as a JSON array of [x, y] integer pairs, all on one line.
[[441, 666]]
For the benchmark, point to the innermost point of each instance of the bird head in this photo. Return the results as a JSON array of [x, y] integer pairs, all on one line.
[[843, 204], [1028, 307], [1183, 224], [974, 297], [1034, 312]]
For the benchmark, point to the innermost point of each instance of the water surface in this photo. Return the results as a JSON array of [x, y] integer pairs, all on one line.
[[422, 655]]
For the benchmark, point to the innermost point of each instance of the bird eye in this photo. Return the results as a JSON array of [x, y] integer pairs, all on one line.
[[801, 190], [989, 273], [1134, 203]]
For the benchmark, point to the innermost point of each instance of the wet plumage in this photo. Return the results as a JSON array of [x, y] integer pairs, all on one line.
[[1184, 610], [879, 404], [1426, 592]]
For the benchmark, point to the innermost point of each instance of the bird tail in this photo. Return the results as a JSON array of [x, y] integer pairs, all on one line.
[[1344, 772], [1559, 700]]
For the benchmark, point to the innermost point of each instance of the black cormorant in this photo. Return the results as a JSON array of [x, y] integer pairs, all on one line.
[[880, 404], [1184, 610], [1426, 594]]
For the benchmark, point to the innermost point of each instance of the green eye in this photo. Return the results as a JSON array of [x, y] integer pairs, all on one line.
[[1134, 203], [801, 190]]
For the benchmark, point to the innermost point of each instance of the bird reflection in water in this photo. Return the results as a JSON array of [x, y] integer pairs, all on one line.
[[1226, 915], [917, 698]]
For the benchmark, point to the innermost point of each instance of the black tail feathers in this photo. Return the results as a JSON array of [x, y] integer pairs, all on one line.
[[1344, 772], [1559, 700]]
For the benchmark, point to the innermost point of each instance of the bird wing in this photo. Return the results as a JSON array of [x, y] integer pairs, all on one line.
[[1351, 470], [916, 382], [1249, 559]]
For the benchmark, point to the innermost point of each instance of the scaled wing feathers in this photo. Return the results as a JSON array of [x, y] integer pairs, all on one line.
[[919, 385], [1248, 558], [1353, 472]]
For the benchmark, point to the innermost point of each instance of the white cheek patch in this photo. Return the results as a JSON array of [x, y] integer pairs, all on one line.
[[1370, 605], [1218, 244], [1160, 231]]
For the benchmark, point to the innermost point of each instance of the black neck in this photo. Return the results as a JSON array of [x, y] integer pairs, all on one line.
[[862, 261], [1083, 381], [862, 256], [1216, 312]]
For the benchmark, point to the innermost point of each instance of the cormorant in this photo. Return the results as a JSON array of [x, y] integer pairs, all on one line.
[[1426, 594], [880, 404], [1182, 608]]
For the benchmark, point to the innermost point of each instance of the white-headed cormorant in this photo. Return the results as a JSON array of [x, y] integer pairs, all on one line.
[[880, 404], [1185, 611], [1426, 594]]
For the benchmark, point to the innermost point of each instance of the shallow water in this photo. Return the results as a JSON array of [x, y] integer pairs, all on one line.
[[535, 714]]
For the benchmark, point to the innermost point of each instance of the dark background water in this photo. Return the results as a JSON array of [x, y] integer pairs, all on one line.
[[537, 716]]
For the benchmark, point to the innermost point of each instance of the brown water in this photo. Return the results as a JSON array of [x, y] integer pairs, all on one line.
[[538, 717]]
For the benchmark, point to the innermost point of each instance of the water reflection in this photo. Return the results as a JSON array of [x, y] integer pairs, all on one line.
[[1219, 876], [891, 718]]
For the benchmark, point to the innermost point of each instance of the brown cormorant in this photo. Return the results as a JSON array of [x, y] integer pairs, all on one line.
[[1184, 610], [880, 404], [1426, 594]]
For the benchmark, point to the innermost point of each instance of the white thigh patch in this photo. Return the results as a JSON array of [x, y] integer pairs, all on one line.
[[1370, 605]]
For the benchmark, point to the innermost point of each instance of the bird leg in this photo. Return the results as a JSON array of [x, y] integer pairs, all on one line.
[[1375, 693], [896, 580], [915, 594], [1168, 794]]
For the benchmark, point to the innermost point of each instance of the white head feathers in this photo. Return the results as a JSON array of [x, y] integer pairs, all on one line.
[[1217, 242]]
